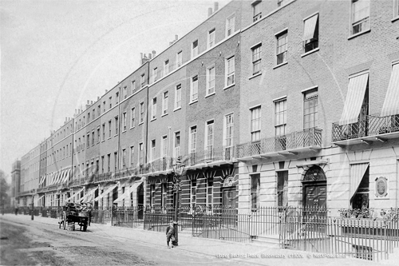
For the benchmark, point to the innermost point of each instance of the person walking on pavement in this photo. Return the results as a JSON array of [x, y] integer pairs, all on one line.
[[170, 234]]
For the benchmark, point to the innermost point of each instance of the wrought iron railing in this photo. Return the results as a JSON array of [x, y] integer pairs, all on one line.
[[371, 125], [299, 139]]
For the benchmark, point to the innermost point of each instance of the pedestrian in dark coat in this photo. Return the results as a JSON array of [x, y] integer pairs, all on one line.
[[170, 234]]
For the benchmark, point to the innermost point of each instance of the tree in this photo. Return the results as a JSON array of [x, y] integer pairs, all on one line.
[[4, 187]]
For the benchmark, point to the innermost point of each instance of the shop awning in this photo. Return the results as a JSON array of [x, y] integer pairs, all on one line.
[[108, 190], [391, 103], [37, 200], [357, 173], [135, 185], [310, 27], [354, 99], [89, 195], [75, 194], [124, 195]]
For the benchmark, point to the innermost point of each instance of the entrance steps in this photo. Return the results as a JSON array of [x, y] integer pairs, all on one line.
[[270, 241]]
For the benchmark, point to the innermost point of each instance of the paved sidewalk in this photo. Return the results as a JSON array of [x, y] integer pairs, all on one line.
[[218, 249]]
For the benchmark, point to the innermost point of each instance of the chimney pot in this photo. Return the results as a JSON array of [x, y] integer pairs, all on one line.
[[216, 6], [209, 11]]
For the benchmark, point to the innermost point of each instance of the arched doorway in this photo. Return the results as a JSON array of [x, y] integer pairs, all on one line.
[[315, 197]]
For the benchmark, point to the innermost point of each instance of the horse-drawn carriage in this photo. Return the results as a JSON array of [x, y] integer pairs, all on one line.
[[75, 213]]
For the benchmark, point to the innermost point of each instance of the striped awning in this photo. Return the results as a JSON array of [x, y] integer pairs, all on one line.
[[310, 27], [74, 195], [357, 173], [354, 99], [391, 103], [124, 195], [88, 196], [108, 190], [37, 200]]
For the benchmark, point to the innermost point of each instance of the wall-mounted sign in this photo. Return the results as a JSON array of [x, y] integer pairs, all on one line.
[[381, 186]]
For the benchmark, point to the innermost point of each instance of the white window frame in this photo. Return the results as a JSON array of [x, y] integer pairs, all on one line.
[[141, 153], [154, 108], [366, 19], [133, 117], [131, 156], [166, 67], [194, 49], [152, 151], [124, 121], [281, 48], [209, 138], [125, 92], [210, 80], [164, 146], [256, 6], [256, 125], [211, 38], [230, 75], [280, 120], [178, 96], [395, 9], [192, 147], [155, 74], [176, 149], [133, 85], [193, 89], [256, 59], [142, 113], [165, 102], [123, 163], [179, 59], [142, 80], [230, 27]]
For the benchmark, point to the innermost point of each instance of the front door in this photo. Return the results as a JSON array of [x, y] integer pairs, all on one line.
[[140, 201], [230, 198], [315, 206]]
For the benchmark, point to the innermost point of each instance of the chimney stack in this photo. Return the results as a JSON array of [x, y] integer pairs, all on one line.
[[209, 11], [215, 7]]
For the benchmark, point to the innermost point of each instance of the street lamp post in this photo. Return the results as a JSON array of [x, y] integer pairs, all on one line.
[[177, 173]]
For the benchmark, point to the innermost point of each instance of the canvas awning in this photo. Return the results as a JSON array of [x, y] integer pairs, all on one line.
[[391, 103], [108, 190], [37, 200], [357, 173], [135, 185], [75, 194], [89, 195], [310, 27], [124, 195], [354, 99]]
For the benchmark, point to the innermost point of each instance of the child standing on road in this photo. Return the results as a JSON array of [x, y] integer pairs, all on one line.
[[170, 233]]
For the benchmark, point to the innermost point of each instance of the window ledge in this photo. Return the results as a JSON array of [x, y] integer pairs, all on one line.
[[208, 95], [132, 127], [280, 65], [256, 75], [124, 131], [141, 123], [310, 52], [177, 109], [165, 114], [395, 19], [358, 34], [193, 102], [229, 86], [152, 119]]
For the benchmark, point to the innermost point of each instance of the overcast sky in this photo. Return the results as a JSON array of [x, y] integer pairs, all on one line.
[[56, 55]]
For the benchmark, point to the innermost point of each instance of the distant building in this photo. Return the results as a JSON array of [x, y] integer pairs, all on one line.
[[265, 104], [15, 182]]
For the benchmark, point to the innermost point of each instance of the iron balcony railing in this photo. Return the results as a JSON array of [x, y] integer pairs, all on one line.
[[300, 139], [211, 155], [371, 125]]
